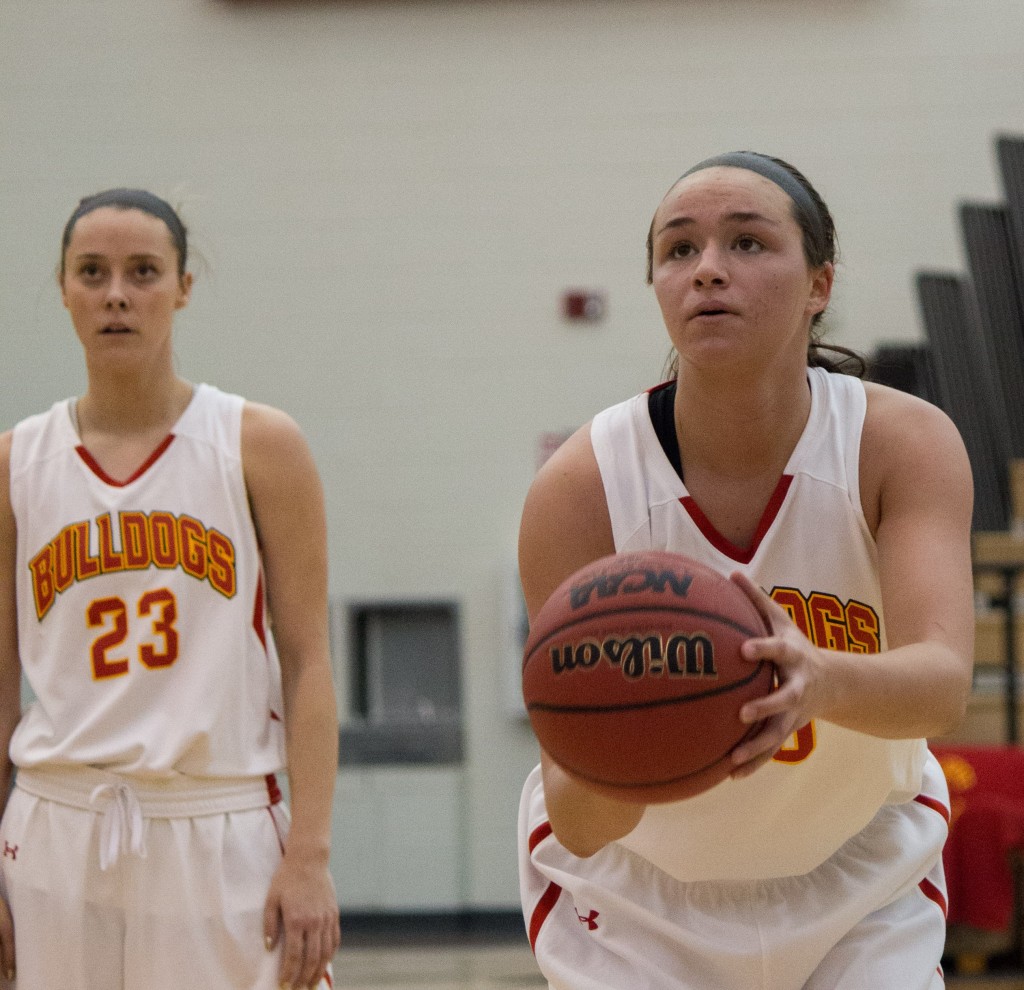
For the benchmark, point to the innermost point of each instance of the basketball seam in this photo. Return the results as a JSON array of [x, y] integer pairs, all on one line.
[[639, 609], [643, 784], [546, 706]]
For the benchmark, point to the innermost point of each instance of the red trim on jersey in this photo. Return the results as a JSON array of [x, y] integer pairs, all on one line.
[[94, 466], [659, 387], [935, 804], [934, 894], [257, 612], [539, 834], [260, 625], [276, 830], [541, 912], [273, 790], [723, 545], [550, 896]]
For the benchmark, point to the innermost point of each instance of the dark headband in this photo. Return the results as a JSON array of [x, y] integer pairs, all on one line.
[[771, 170], [134, 199]]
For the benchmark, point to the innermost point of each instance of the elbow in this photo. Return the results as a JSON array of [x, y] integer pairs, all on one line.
[[578, 842], [950, 716], [584, 829], [953, 718]]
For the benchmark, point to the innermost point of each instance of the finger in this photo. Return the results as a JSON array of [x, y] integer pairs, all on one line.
[[271, 923], [762, 648], [316, 958], [786, 697], [750, 767], [6, 941], [765, 743], [761, 601], [292, 957], [784, 650], [771, 611]]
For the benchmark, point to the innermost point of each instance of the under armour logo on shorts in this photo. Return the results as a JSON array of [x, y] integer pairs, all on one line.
[[589, 920], [10, 850]]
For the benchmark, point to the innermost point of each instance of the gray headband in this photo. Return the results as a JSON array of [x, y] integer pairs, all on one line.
[[782, 177]]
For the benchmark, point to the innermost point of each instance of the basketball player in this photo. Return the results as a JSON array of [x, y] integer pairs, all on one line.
[[843, 510], [146, 527]]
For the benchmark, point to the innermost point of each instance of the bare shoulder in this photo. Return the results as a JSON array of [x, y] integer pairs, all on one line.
[[565, 522], [5, 471], [278, 465], [906, 422], [271, 441], [266, 427], [910, 445]]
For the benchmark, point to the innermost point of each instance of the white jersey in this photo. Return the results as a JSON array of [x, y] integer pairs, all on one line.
[[141, 625], [813, 552]]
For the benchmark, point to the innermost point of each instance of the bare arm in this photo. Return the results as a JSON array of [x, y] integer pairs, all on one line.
[[917, 493], [287, 505], [10, 666], [565, 525]]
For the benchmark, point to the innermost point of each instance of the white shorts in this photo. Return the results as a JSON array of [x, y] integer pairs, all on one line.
[[872, 916], [120, 884]]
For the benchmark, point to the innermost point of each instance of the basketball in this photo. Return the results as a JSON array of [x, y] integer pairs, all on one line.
[[633, 679]]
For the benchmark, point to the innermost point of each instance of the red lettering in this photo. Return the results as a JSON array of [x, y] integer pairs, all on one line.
[[163, 603], [798, 747], [64, 559], [222, 563], [110, 560], [97, 615], [796, 605], [163, 539], [828, 620], [86, 566], [865, 632], [192, 538], [43, 591], [135, 541]]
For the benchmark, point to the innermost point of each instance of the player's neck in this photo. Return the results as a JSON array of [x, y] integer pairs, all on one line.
[[741, 427], [132, 408]]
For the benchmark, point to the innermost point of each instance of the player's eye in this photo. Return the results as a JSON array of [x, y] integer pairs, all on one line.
[[683, 249], [89, 270], [748, 244]]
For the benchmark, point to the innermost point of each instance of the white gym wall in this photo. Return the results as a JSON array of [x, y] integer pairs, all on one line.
[[391, 197]]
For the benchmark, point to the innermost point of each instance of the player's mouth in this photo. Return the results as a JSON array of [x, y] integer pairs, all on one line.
[[117, 328], [709, 308]]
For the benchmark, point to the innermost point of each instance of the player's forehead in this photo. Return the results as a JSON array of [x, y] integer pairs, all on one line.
[[112, 231], [719, 193]]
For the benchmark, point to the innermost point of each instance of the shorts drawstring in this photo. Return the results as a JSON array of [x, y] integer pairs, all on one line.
[[123, 827]]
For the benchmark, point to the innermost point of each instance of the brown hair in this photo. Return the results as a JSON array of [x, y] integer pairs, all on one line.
[[820, 247], [130, 199]]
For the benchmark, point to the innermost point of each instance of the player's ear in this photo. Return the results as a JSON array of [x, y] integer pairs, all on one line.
[[184, 291], [59, 275], [821, 288]]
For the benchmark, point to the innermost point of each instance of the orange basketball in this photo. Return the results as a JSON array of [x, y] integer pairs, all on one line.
[[633, 679]]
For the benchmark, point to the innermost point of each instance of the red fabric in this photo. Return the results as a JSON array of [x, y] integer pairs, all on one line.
[[986, 789]]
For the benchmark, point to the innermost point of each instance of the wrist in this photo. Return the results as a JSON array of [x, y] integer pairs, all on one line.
[[313, 849]]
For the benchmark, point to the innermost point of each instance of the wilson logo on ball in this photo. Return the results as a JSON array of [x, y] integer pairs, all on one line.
[[645, 645], [692, 655], [634, 581]]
